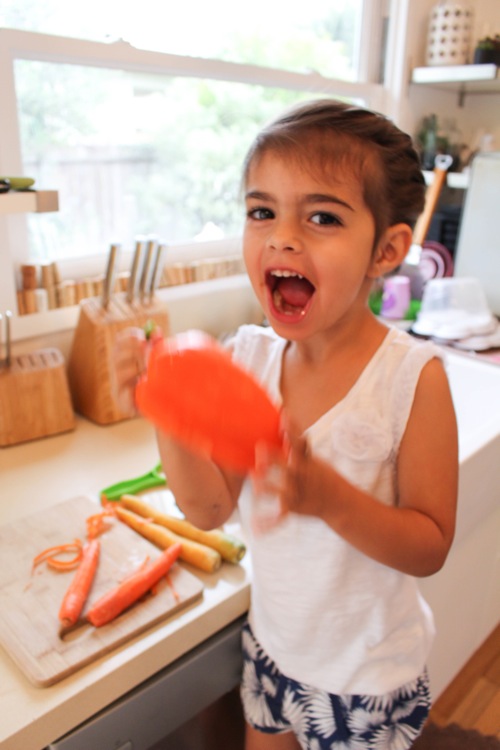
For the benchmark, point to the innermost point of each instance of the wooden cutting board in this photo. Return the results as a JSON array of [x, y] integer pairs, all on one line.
[[29, 602]]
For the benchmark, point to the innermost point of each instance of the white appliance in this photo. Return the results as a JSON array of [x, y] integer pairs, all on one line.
[[478, 248]]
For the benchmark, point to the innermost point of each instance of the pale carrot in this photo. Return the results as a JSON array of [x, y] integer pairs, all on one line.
[[78, 590], [114, 602], [196, 554], [229, 547]]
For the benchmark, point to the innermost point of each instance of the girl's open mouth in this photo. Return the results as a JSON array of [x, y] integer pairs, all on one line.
[[290, 293]]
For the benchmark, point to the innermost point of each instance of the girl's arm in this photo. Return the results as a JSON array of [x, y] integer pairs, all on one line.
[[205, 493], [415, 536]]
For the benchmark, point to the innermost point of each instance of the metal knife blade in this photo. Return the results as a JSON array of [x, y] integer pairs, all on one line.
[[8, 358], [155, 274], [109, 278], [140, 243], [150, 249]]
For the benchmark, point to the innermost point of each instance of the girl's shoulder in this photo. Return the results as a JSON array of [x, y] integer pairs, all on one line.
[[258, 349], [251, 341], [403, 351]]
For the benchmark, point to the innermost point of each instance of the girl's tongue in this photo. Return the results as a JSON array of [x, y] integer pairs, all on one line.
[[291, 293]]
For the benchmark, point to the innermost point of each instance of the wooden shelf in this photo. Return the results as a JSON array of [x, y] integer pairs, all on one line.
[[459, 180], [462, 79], [29, 201]]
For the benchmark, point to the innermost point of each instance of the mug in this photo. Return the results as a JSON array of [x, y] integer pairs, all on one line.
[[396, 297]]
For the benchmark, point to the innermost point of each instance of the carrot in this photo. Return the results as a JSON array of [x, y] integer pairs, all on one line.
[[195, 392], [114, 602], [202, 557], [229, 547], [51, 556], [77, 593]]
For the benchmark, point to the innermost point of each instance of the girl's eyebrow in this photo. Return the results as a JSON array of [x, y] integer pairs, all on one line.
[[326, 198], [260, 195]]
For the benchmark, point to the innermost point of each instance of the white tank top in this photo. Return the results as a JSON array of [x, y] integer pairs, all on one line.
[[328, 615]]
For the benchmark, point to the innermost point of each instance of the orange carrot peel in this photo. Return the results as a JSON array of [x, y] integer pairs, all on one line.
[[51, 556], [98, 523], [78, 590], [116, 601]]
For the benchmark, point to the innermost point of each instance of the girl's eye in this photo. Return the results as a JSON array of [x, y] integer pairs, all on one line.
[[260, 214], [323, 217]]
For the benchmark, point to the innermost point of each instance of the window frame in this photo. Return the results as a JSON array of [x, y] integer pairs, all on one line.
[[17, 44]]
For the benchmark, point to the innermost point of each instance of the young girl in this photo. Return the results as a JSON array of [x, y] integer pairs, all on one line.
[[338, 634]]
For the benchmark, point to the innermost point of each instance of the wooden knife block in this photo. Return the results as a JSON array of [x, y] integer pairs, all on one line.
[[35, 399], [89, 366]]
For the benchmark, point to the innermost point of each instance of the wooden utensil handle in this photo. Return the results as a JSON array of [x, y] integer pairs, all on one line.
[[431, 199]]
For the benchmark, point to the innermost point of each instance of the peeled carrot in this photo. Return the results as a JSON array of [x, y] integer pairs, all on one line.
[[202, 557], [194, 391], [114, 602], [77, 593], [229, 547]]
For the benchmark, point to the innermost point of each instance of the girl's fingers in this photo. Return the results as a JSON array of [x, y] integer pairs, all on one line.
[[267, 475], [268, 480], [129, 358], [298, 450]]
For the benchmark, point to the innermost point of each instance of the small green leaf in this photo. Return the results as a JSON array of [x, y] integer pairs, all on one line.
[[149, 328]]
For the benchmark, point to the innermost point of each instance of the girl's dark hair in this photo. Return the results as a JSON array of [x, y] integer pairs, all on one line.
[[326, 134]]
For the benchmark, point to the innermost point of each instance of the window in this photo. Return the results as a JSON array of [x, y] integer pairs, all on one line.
[[324, 39], [135, 153], [148, 135]]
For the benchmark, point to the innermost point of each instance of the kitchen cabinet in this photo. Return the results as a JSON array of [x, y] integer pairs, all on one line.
[[200, 640]]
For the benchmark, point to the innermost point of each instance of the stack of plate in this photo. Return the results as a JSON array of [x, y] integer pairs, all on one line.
[[455, 310]]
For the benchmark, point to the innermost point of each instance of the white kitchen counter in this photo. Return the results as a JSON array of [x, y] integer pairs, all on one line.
[[39, 474], [464, 595]]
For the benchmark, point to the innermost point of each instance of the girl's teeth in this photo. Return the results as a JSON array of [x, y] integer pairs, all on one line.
[[286, 274]]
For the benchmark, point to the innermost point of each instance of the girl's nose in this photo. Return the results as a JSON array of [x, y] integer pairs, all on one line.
[[285, 237]]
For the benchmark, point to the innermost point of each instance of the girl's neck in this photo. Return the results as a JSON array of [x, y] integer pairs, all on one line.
[[317, 374], [352, 341]]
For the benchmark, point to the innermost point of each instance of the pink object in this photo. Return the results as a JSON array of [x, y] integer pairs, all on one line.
[[396, 297]]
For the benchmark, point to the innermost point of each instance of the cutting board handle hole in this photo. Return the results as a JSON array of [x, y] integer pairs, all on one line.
[[76, 632]]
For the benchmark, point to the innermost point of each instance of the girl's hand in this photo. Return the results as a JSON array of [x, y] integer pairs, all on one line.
[[128, 362], [283, 480]]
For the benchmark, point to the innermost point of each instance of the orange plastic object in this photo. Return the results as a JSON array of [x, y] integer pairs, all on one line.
[[194, 391]]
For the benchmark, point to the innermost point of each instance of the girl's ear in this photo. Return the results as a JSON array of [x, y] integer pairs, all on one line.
[[391, 250]]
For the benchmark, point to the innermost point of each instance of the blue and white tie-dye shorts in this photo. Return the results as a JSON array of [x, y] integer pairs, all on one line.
[[274, 704]]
